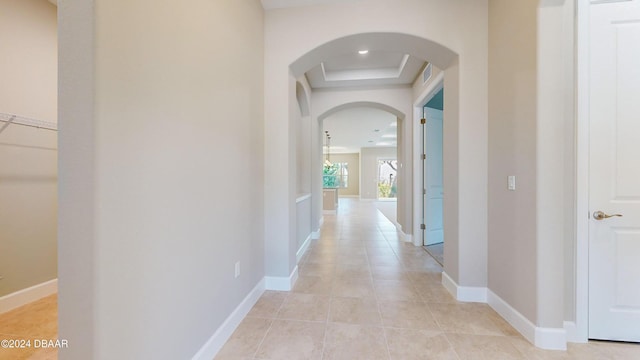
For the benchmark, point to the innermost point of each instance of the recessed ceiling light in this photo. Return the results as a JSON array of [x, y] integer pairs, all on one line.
[[363, 52], [376, 130]]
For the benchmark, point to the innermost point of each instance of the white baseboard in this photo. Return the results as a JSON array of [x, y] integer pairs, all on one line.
[[330, 212], [303, 249], [316, 234], [282, 283], [464, 293], [417, 241], [551, 338], [573, 334], [349, 196], [544, 338], [30, 294], [223, 333]]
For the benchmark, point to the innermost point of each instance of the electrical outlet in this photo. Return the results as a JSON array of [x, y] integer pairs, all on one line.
[[237, 269]]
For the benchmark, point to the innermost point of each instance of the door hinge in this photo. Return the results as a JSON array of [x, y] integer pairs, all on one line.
[[424, 191], [423, 227], [423, 121], [424, 156]]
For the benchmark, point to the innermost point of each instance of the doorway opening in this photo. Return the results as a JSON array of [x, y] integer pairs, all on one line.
[[432, 180], [387, 179]]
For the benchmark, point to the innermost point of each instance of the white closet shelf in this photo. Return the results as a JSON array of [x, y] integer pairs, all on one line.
[[21, 120]]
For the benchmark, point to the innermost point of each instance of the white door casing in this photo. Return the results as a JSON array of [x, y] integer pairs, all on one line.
[[614, 171]]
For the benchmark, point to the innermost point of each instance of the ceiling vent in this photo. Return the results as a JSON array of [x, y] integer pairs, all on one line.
[[426, 75]]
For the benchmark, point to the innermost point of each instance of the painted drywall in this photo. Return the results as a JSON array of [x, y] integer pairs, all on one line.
[[512, 151], [555, 131], [28, 156], [165, 217], [354, 172], [369, 169], [461, 27]]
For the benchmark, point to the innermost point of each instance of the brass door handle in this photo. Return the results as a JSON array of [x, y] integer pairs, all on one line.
[[599, 215]]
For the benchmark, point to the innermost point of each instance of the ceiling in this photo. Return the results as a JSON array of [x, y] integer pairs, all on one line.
[[355, 128], [375, 68]]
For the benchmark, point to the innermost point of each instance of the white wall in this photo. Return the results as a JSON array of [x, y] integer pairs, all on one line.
[[512, 151], [161, 173], [369, 169], [531, 136], [28, 156]]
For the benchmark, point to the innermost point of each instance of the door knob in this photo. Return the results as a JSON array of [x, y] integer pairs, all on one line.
[[599, 215]]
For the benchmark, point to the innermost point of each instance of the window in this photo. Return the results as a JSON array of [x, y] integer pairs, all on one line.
[[335, 175]]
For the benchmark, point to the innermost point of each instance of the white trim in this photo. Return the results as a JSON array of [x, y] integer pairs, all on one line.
[[573, 335], [281, 283], [28, 295], [211, 348], [303, 248], [551, 338], [512, 316], [303, 197], [582, 174], [330, 212], [464, 293], [316, 234], [349, 196], [544, 338]]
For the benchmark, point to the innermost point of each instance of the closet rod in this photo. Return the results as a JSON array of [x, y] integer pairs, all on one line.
[[20, 120]]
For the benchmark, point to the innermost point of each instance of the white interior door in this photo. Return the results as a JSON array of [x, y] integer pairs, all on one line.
[[433, 233], [614, 171]]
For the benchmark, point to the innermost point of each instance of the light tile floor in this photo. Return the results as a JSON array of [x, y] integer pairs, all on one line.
[[37, 320], [363, 294]]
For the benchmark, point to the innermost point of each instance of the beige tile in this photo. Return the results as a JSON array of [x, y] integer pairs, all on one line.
[[352, 271], [323, 270], [362, 311], [348, 342], [393, 290], [409, 344], [389, 273], [268, 304], [245, 340], [533, 353], [407, 314], [353, 287], [305, 307], [482, 347], [312, 285], [425, 278], [467, 318], [435, 294], [292, 340], [605, 350]]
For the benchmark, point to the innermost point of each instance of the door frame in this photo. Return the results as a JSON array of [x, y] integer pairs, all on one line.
[[581, 333], [429, 92]]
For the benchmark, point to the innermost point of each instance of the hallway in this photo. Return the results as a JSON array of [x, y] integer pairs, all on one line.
[[363, 294]]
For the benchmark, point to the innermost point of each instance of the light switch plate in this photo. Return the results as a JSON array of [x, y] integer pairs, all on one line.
[[511, 182]]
